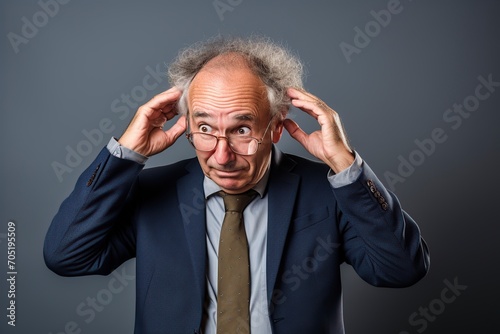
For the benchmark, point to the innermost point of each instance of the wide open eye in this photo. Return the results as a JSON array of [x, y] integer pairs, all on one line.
[[205, 128], [243, 131]]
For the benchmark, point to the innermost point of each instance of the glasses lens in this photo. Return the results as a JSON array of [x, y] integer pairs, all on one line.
[[239, 145], [244, 145], [203, 142]]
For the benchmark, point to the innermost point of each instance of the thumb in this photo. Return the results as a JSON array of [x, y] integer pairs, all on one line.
[[295, 131], [177, 129]]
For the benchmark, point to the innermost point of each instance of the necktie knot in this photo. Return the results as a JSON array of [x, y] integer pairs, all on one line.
[[237, 202]]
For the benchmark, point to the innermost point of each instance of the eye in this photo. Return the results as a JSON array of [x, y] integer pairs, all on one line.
[[243, 131], [205, 128]]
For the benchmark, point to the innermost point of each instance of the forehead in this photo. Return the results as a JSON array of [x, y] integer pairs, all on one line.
[[234, 89]]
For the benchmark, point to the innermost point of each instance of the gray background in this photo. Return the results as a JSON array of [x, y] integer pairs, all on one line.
[[394, 91]]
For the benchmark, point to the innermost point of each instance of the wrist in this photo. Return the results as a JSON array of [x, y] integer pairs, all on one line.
[[123, 152], [129, 145], [341, 161]]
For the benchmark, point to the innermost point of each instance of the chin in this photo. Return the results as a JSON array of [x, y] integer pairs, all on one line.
[[231, 185]]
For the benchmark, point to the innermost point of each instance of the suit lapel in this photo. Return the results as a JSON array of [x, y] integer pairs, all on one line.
[[192, 207], [282, 191]]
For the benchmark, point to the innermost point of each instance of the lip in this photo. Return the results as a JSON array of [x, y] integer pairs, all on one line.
[[227, 173]]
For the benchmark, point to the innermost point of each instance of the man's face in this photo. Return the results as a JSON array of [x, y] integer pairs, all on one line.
[[232, 101]]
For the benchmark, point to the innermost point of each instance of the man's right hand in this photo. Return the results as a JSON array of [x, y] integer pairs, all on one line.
[[145, 134]]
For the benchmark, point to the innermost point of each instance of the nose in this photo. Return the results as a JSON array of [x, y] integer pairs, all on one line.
[[223, 153]]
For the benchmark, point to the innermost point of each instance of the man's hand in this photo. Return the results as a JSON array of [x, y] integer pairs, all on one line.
[[329, 143], [145, 133]]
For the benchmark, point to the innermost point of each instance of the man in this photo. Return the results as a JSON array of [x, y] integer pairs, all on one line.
[[305, 220]]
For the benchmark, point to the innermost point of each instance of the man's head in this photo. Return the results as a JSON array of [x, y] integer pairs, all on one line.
[[234, 90], [277, 67]]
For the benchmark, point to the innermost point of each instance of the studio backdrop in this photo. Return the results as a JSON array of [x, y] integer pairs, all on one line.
[[416, 83]]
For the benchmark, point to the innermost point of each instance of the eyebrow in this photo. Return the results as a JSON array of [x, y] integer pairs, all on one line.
[[201, 114], [239, 117]]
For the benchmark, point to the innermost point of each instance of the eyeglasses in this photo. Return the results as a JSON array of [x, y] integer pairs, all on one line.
[[242, 145]]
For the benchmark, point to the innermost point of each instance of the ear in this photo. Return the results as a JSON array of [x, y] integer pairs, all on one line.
[[277, 131]]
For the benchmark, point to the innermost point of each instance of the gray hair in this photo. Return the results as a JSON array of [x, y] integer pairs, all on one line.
[[276, 66]]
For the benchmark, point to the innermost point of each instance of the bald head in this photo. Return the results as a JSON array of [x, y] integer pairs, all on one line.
[[276, 67]]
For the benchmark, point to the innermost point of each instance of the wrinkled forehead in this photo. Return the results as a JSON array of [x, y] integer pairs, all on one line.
[[226, 65], [228, 88]]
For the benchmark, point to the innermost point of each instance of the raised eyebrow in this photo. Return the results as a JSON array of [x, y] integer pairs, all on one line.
[[201, 114], [245, 117], [238, 117]]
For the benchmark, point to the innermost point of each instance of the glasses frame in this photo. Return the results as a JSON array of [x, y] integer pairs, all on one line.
[[189, 136]]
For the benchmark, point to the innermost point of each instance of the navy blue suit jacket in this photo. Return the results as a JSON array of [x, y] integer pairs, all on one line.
[[118, 211]]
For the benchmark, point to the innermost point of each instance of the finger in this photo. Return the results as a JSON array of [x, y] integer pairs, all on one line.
[[169, 114], [295, 131], [171, 91], [299, 93], [159, 121], [177, 129], [319, 110], [308, 103], [306, 107], [164, 101]]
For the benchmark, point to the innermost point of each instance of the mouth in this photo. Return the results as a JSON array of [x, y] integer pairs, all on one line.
[[222, 173]]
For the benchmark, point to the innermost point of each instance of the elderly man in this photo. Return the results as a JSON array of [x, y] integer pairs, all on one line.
[[243, 238]]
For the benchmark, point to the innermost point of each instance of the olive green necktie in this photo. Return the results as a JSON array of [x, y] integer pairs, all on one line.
[[233, 286]]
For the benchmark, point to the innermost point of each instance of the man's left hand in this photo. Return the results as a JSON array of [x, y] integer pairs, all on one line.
[[330, 142]]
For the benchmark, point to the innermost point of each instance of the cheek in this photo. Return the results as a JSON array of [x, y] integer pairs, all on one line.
[[258, 164], [203, 158]]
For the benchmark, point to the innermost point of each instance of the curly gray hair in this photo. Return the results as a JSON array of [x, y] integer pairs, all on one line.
[[276, 66]]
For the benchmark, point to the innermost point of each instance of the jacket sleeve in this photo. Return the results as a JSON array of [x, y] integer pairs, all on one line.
[[381, 241], [92, 232]]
